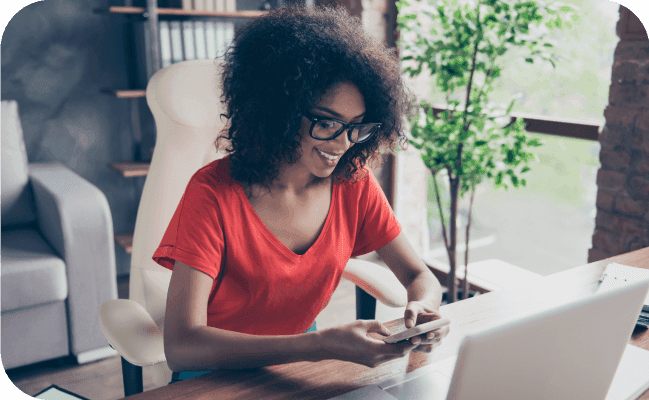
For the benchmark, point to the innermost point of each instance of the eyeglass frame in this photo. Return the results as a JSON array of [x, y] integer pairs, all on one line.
[[345, 127]]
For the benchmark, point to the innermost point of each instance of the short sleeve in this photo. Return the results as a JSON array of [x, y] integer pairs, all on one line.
[[377, 224], [195, 234]]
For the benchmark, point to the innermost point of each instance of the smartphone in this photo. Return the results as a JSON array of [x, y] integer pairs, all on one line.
[[417, 330]]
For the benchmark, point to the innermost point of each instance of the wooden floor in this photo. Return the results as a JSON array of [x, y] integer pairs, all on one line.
[[102, 380]]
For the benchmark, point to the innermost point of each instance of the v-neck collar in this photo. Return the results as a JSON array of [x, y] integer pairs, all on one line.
[[279, 245]]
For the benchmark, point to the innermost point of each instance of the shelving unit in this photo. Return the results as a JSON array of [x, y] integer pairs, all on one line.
[[149, 15], [187, 13]]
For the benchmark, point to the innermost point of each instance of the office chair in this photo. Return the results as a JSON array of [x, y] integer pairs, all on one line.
[[185, 101]]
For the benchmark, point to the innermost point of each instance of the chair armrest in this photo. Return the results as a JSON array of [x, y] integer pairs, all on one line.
[[132, 332], [377, 281], [75, 219]]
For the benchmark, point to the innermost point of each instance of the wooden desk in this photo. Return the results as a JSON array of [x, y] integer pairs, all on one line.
[[326, 379]]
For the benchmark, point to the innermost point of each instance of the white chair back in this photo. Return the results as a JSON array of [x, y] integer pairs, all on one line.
[[185, 101]]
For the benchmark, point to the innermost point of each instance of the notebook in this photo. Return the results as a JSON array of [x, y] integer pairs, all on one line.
[[578, 348]]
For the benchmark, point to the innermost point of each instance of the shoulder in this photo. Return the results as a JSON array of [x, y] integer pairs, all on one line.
[[211, 181], [216, 173], [362, 181]]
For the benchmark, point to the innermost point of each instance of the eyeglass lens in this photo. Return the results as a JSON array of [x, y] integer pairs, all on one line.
[[324, 129]]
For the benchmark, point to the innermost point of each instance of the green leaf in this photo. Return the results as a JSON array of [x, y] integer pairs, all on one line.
[[529, 60], [515, 180]]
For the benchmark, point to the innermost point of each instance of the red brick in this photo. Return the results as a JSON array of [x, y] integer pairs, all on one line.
[[640, 185], [595, 254], [636, 243], [625, 50], [628, 95], [631, 50], [644, 146], [614, 159], [628, 206], [608, 242], [642, 120], [625, 72], [604, 200], [643, 165], [619, 224], [618, 116], [610, 179], [610, 137]]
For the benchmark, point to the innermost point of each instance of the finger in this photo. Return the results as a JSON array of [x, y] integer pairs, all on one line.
[[427, 316], [423, 349], [443, 331], [377, 326], [403, 347], [410, 314]]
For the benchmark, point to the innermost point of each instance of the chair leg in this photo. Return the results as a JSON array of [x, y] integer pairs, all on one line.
[[132, 375], [365, 305]]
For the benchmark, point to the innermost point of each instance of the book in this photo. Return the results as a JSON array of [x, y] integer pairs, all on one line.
[[176, 41], [210, 39], [170, 3], [188, 40], [165, 43], [188, 5], [230, 5], [209, 5], [201, 48], [220, 38], [220, 5], [229, 34], [199, 5], [616, 274]]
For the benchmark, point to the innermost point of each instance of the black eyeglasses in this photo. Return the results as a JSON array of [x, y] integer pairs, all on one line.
[[323, 128]]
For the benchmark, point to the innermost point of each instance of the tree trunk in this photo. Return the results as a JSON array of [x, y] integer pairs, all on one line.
[[451, 284]]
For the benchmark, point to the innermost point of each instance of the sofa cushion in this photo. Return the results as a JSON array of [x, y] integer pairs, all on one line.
[[32, 274], [17, 201]]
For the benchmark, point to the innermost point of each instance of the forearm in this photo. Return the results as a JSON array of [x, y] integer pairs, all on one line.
[[206, 348], [425, 287]]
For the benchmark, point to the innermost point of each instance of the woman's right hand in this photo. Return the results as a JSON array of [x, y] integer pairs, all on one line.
[[352, 343]]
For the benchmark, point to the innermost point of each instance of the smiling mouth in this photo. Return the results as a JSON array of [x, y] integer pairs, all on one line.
[[328, 156]]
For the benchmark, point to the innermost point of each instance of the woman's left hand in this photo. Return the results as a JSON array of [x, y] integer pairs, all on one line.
[[417, 313]]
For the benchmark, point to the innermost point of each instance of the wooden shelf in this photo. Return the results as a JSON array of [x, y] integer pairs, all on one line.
[[125, 94], [125, 241], [187, 13], [130, 169]]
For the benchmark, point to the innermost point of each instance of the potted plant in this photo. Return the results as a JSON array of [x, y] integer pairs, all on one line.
[[473, 140]]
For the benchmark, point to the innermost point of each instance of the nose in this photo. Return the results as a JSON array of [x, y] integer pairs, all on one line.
[[343, 139]]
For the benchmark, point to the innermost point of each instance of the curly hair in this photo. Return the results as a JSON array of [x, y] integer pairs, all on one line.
[[279, 66]]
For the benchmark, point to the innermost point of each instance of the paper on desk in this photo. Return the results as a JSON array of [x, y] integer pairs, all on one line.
[[616, 274]]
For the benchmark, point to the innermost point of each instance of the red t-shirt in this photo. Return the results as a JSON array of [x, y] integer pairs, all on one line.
[[260, 286]]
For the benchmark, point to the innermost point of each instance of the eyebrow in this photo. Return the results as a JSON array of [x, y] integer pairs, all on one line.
[[335, 114]]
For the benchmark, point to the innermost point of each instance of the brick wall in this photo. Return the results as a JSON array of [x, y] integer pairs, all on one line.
[[622, 222]]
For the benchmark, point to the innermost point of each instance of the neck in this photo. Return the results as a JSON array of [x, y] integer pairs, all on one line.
[[291, 179]]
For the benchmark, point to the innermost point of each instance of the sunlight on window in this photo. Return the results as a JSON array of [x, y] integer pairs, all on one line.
[[546, 226], [577, 89]]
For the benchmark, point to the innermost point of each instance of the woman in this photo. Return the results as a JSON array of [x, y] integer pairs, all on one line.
[[260, 238]]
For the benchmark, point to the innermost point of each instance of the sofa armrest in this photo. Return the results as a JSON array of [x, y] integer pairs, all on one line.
[[75, 219], [132, 332], [377, 281]]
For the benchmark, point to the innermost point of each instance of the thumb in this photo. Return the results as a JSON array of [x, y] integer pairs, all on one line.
[[377, 326], [410, 315]]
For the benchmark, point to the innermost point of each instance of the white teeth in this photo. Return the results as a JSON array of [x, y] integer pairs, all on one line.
[[327, 156]]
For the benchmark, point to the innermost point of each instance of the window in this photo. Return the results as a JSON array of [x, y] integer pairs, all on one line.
[[546, 226]]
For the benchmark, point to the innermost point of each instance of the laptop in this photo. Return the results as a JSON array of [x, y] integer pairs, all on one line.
[[577, 349]]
